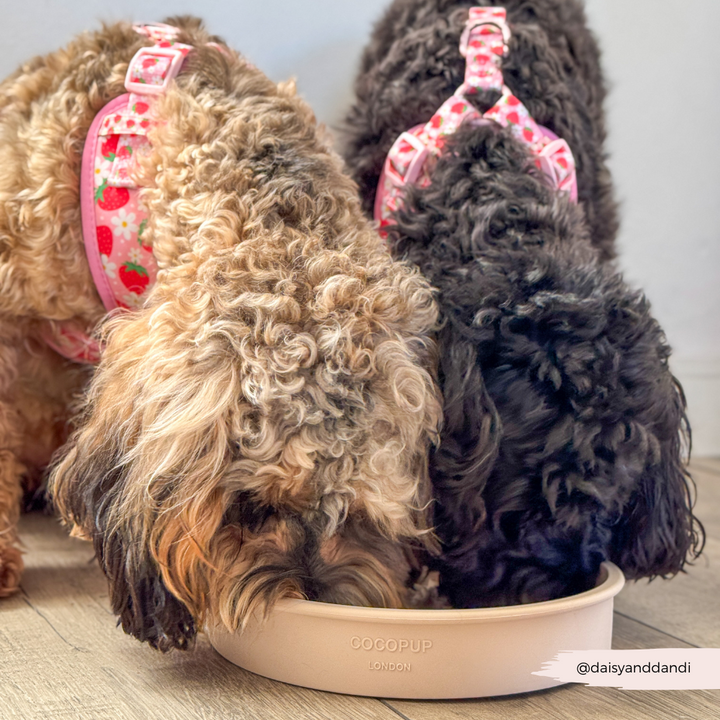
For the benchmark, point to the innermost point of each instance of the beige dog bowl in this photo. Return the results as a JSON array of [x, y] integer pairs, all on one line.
[[422, 654]]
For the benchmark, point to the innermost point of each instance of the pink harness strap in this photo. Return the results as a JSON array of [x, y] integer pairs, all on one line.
[[113, 220], [484, 42]]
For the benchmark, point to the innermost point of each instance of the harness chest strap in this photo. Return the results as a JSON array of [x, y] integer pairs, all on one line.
[[483, 43], [113, 220]]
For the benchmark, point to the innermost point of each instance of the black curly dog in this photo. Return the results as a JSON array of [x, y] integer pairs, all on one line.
[[564, 430]]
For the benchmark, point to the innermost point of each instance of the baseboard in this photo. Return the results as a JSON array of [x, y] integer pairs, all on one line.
[[700, 378]]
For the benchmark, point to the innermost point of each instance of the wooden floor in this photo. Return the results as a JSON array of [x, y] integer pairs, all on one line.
[[61, 655]]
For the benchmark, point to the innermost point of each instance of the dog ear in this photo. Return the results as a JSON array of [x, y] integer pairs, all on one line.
[[658, 532], [143, 436], [462, 463], [138, 595], [87, 486]]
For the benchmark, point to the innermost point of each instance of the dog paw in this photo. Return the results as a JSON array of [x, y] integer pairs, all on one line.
[[11, 566]]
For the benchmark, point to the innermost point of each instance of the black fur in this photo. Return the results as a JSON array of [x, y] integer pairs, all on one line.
[[138, 596], [562, 443], [412, 64]]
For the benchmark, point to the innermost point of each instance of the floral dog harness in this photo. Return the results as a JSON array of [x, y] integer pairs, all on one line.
[[113, 220], [484, 43]]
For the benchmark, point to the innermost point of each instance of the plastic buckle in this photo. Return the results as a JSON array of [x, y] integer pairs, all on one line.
[[414, 166], [171, 72]]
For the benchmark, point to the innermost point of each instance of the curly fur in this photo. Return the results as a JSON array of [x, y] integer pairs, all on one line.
[[260, 428], [562, 443], [412, 64]]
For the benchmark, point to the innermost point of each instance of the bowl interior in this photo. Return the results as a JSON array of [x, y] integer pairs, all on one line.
[[610, 582]]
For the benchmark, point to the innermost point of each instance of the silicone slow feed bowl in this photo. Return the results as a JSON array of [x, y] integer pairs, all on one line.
[[422, 654]]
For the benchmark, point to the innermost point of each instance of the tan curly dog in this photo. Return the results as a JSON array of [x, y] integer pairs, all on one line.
[[260, 427]]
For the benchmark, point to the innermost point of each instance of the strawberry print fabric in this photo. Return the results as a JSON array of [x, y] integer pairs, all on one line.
[[122, 265], [554, 156], [129, 265], [129, 149], [152, 70], [483, 46], [71, 341], [133, 117], [153, 66], [160, 33], [412, 156]]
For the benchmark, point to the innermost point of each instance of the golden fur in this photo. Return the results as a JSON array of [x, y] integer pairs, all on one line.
[[260, 428]]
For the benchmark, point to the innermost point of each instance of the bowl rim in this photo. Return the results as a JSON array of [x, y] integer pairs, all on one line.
[[609, 587]]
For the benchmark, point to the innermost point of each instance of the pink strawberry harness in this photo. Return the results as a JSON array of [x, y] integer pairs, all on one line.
[[122, 266], [484, 43]]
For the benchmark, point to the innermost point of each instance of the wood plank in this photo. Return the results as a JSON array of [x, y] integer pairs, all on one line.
[[61, 656], [571, 702], [706, 463], [685, 606], [707, 507], [42, 675]]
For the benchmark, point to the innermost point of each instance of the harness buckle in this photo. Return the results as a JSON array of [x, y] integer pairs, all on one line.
[[152, 68], [472, 23]]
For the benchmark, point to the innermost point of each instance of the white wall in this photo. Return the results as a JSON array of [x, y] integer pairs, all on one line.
[[662, 59], [317, 41], [663, 63]]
